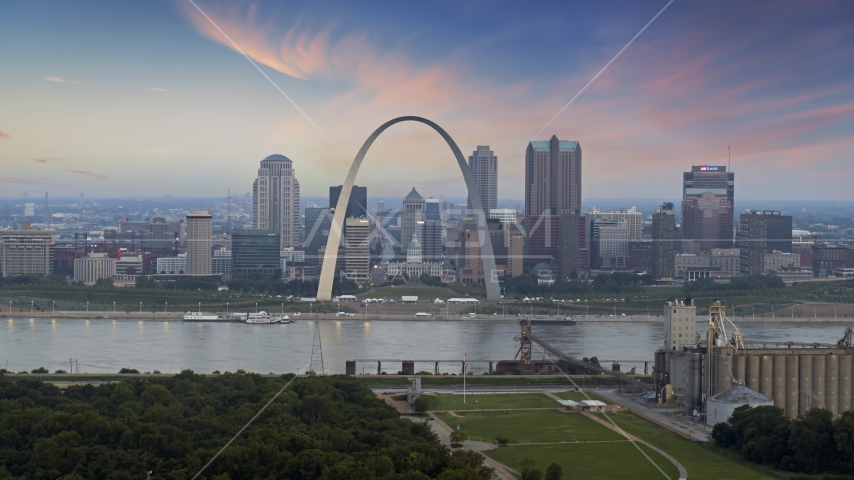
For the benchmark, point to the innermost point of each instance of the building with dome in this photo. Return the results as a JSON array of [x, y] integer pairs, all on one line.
[[412, 218], [414, 266], [275, 200]]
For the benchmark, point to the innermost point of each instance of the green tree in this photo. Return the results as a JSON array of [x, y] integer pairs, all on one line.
[[458, 437], [529, 469], [421, 404], [843, 436], [811, 441], [554, 472]]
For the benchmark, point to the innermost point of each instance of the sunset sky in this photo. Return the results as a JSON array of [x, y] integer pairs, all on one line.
[[149, 98]]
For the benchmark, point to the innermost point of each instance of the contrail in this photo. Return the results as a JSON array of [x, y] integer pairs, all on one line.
[[240, 50], [603, 69]]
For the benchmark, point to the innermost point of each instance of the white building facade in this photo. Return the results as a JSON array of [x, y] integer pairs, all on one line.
[[93, 267]]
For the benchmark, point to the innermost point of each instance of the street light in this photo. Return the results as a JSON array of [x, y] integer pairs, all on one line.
[[256, 307], [166, 308], [226, 308], [33, 303], [87, 307], [140, 307], [114, 307], [54, 306]]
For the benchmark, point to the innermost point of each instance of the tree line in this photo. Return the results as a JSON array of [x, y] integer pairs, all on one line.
[[319, 428], [812, 443]]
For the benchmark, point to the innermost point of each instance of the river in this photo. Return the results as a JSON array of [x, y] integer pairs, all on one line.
[[105, 346]]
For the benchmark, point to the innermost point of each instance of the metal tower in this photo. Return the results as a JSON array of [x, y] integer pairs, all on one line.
[[316, 350]]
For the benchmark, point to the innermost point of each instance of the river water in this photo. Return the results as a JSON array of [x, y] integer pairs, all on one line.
[[105, 346]]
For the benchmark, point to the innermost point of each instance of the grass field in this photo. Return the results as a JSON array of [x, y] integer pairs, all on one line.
[[701, 463], [530, 426], [488, 401], [590, 460], [579, 396], [422, 291]]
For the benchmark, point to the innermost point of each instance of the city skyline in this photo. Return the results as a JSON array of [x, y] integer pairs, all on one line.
[[83, 115]]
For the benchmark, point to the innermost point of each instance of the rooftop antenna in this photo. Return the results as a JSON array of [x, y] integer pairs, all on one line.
[[729, 158], [228, 209], [46, 211]]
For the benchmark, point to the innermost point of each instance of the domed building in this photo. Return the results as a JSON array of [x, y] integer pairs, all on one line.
[[719, 407], [414, 265]]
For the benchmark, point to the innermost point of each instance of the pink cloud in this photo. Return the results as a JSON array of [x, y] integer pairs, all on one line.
[[88, 174], [47, 160], [157, 89], [5, 136], [54, 79]]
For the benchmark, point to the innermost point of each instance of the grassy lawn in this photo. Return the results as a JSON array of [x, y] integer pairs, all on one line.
[[530, 426], [579, 396], [591, 460], [700, 462], [504, 400], [422, 291]]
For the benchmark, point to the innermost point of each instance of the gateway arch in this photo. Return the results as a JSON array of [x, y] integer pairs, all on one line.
[[327, 273]]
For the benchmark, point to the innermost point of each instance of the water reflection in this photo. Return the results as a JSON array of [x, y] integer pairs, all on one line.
[[106, 346]]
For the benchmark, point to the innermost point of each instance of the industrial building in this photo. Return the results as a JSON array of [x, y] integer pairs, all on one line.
[[796, 376]]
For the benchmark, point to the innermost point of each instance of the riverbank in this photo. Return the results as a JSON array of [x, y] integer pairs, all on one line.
[[179, 316]]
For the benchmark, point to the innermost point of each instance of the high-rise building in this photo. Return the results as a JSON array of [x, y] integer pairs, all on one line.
[[543, 240], [663, 241], [552, 178], [26, 252], [761, 232], [640, 255], [413, 213], [503, 215], [316, 232], [357, 249], [633, 219], [569, 251], [708, 194], [483, 165], [433, 209], [255, 252], [609, 244], [276, 200], [431, 242], [199, 242], [356, 207]]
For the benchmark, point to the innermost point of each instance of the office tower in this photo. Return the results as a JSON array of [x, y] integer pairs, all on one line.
[[356, 207], [778, 232], [633, 219], [433, 209], [569, 252], [708, 194], [552, 177], [431, 241], [255, 252], [515, 241], [663, 241], [469, 263], [357, 249], [413, 212], [316, 232], [26, 252], [640, 255], [276, 200], [609, 244], [199, 242], [761, 232], [92, 267], [483, 165], [543, 240]]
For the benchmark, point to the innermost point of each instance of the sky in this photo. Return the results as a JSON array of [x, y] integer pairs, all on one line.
[[152, 98]]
